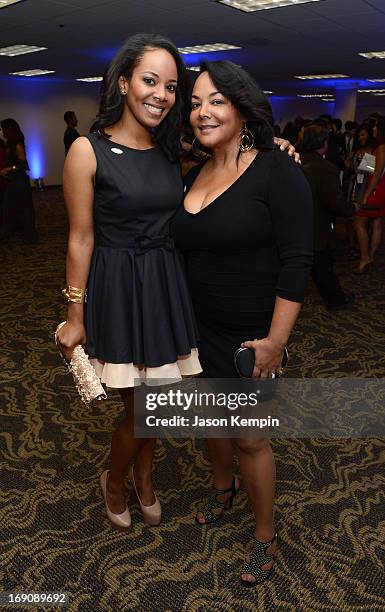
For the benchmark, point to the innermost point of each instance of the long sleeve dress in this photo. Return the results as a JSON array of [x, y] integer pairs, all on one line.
[[254, 242]]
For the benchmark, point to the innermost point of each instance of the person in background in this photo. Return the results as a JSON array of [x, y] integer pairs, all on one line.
[[71, 133], [372, 204], [335, 150], [18, 210], [363, 142], [349, 139], [329, 202], [290, 133]]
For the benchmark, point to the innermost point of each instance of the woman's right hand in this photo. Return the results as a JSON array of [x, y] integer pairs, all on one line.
[[69, 336]]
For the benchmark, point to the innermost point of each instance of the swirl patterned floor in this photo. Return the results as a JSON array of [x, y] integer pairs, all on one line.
[[330, 497]]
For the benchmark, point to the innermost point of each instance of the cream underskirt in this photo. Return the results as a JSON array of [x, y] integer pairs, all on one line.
[[122, 375]]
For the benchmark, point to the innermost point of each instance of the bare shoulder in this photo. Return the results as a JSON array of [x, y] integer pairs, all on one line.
[[81, 157]]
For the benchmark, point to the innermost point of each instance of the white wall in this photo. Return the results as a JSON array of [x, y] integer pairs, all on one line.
[[39, 107]]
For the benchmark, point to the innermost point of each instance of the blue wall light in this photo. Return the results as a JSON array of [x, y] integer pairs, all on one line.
[[35, 156]]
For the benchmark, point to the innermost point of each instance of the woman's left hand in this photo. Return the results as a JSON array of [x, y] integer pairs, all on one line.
[[268, 357], [286, 145]]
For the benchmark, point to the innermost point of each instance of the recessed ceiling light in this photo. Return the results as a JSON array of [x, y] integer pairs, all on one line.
[[29, 73], [91, 79], [308, 77], [328, 99], [376, 80], [379, 94], [194, 68], [4, 3], [20, 49], [249, 6], [373, 54], [268, 92], [371, 90], [323, 95], [206, 48]]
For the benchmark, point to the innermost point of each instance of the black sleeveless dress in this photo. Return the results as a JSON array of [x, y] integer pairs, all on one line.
[[138, 310]]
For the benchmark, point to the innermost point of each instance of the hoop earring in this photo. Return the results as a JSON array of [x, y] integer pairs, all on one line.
[[247, 139]]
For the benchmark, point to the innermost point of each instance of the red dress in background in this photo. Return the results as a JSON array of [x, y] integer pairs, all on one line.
[[376, 201]]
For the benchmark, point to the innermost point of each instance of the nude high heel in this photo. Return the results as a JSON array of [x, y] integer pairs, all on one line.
[[152, 515], [121, 520]]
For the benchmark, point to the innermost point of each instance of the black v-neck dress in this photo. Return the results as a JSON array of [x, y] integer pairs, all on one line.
[[252, 243]]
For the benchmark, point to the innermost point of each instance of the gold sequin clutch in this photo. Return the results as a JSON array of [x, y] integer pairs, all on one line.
[[86, 381]]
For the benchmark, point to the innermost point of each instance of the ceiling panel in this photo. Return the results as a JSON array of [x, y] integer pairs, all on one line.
[[317, 37]]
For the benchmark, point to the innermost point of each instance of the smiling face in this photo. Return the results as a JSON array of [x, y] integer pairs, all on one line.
[[151, 91], [215, 120]]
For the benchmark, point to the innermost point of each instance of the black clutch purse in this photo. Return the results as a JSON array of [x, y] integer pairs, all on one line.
[[244, 361]]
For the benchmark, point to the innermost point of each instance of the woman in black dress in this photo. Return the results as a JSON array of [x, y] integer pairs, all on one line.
[[18, 210], [122, 185], [246, 228]]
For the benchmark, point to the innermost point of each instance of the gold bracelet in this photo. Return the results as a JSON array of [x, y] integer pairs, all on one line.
[[74, 294]]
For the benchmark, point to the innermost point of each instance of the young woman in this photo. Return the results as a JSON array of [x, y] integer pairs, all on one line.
[[372, 204], [18, 210], [122, 185], [246, 227]]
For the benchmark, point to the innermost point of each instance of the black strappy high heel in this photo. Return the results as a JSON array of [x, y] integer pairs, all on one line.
[[258, 557], [213, 503]]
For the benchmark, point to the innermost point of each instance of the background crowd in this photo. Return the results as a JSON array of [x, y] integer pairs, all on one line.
[[333, 160]]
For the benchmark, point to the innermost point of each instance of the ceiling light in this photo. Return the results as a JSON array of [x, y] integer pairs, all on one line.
[[35, 72], [249, 6], [376, 80], [268, 93], [194, 68], [4, 3], [323, 95], [373, 55], [308, 77], [371, 90], [380, 94], [328, 99], [20, 49], [91, 79], [206, 48]]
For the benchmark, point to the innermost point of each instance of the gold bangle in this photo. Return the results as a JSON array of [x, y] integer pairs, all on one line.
[[74, 294]]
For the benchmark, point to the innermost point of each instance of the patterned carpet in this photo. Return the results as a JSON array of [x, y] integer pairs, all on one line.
[[330, 496]]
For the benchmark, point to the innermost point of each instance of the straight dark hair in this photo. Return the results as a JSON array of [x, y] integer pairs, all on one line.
[[167, 135], [244, 93]]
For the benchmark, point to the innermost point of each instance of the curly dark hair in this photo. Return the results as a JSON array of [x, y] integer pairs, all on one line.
[[167, 135], [244, 93]]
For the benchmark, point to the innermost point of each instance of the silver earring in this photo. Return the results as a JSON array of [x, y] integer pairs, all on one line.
[[124, 93], [247, 139]]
